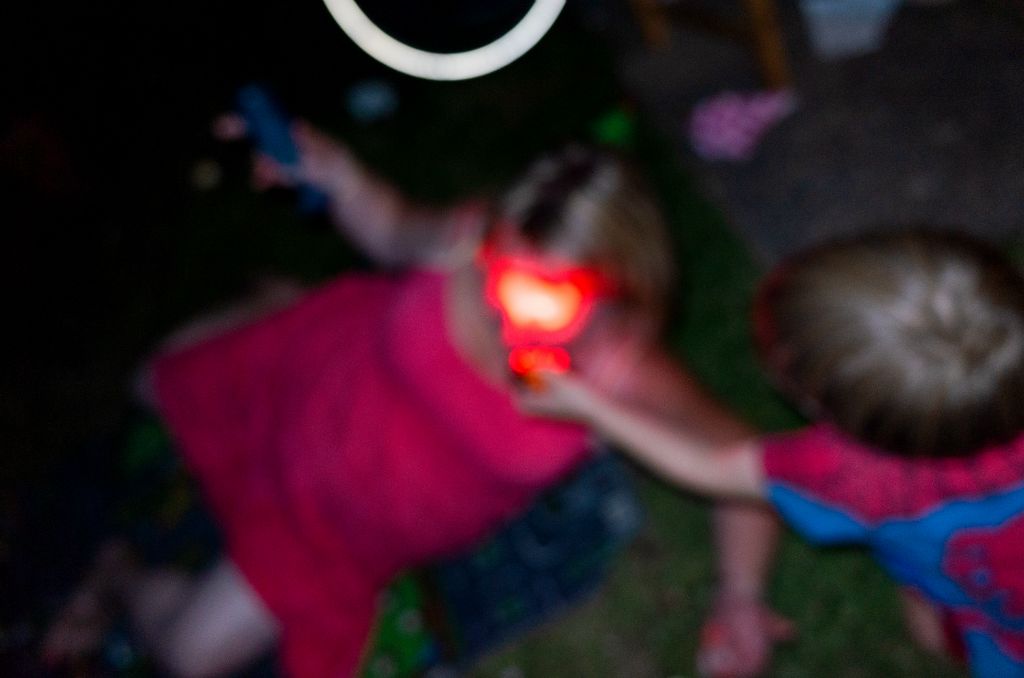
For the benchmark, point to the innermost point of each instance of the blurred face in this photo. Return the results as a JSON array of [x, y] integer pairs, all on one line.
[[544, 301]]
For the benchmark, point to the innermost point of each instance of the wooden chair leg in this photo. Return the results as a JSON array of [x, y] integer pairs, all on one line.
[[768, 44], [653, 22], [760, 27]]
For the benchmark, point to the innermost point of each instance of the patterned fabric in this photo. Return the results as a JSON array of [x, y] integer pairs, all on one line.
[[344, 440], [953, 529]]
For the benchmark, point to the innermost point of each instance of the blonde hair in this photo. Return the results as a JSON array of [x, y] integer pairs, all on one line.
[[911, 342], [593, 207]]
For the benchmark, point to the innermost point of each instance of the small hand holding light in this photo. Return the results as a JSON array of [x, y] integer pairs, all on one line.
[[557, 395], [528, 362]]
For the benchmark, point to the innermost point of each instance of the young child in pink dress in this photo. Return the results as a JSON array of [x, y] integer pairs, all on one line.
[[347, 433], [907, 352]]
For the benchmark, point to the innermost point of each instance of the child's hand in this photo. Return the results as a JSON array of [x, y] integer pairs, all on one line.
[[324, 163], [737, 639], [557, 395], [267, 173]]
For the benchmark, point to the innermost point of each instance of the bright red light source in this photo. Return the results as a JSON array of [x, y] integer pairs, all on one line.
[[543, 306], [539, 306], [525, 360], [532, 303]]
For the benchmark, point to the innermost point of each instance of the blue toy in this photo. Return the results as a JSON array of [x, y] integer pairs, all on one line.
[[270, 130]]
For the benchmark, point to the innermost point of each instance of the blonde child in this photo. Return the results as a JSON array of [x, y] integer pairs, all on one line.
[[907, 352], [344, 434]]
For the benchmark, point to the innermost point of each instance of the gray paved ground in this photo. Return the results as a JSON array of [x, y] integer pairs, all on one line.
[[930, 129]]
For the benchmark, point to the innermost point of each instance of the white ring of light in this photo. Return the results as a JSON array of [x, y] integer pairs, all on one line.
[[445, 66]]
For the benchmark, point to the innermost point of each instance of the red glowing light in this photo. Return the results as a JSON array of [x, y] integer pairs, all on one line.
[[537, 305], [543, 304], [526, 360], [533, 303]]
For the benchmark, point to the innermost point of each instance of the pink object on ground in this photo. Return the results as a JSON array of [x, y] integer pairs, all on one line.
[[730, 125], [343, 440]]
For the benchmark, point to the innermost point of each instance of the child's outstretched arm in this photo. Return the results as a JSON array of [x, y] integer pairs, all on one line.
[[376, 215], [683, 457], [673, 426], [741, 628], [373, 214]]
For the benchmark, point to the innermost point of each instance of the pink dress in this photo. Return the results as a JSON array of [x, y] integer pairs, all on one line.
[[343, 440]]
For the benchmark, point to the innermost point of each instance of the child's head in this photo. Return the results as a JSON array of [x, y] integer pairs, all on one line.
[[911, 342], [589, 208]]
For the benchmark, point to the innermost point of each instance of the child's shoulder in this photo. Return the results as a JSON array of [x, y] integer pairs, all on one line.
[[810, 454], [825, 464]]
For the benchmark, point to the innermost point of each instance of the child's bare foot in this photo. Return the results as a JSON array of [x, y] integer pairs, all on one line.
[[79, 628], [737, 639]]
